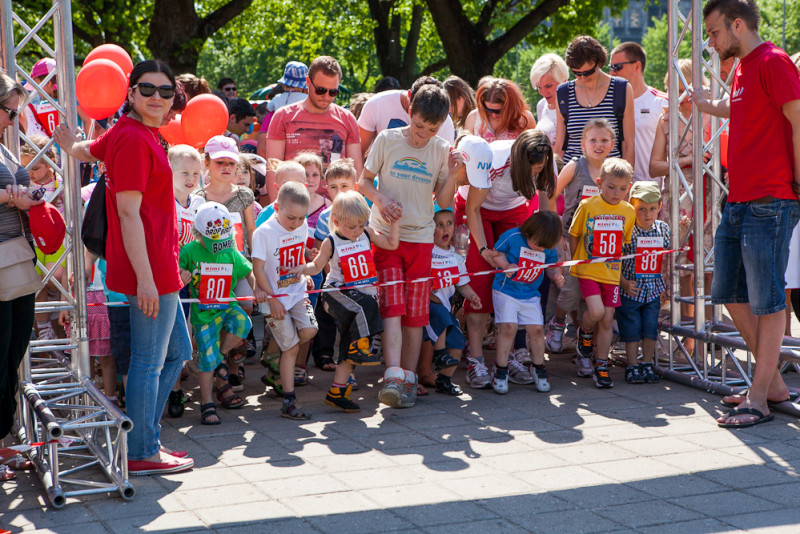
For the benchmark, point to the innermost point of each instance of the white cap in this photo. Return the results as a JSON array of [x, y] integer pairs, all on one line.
[[220, 146], [213, 222], [478, 160]]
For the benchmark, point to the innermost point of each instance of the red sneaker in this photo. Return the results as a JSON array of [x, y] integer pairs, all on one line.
[[176, 454], [171, 465]]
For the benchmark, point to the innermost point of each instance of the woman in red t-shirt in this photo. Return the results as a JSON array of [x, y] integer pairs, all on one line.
[[142, 257]]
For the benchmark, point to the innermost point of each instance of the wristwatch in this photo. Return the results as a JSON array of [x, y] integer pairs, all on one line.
[[480, 250]]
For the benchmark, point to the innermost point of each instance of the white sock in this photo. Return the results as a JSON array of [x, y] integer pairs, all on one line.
[[394, 372]]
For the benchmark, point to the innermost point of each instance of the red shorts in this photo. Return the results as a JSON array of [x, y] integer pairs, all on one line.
[[608, 292], [410, 301], [495, 223]]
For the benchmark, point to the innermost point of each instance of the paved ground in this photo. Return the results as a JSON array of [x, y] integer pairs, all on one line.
[[645, 458]]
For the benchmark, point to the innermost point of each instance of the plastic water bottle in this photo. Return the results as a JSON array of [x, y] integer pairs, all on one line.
[[461, 238]]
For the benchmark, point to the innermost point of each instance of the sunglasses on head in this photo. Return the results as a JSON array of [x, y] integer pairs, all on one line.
[[148, 89], [492, 111], [319, 91], [614, 67], [587, 72], [12, 113]]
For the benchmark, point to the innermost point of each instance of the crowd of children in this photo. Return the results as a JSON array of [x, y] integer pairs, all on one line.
[[362, 270]]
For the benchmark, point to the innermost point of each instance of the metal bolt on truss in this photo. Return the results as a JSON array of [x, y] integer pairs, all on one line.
[[84, 434], [704, 352]]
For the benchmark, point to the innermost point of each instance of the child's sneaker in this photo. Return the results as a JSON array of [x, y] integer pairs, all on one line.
[[540, 378], [271, 361], [585, 369], [359, 353], [478, 374], [523, 356], [292, 410], [633, 375], [443, 360], [601, 376], [500, 381], [585, 344], [392, 389], [444, 384], [517, 372], [300, 376], [554, 336], [648, 373], [340, 398], [408, 397]]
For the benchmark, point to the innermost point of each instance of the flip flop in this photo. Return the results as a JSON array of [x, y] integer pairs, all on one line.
[[746, 411], [792, 396]]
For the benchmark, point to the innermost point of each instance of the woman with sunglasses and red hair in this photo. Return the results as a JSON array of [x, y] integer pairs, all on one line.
[[501, 111], [591, 95]]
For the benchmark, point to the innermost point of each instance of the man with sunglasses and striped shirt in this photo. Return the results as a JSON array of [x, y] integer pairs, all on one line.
[[316, 124]]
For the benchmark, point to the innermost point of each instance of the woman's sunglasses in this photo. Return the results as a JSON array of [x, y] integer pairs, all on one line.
[[587, 72], [148, 89], [12, 113], [319, 91], [492, 111]]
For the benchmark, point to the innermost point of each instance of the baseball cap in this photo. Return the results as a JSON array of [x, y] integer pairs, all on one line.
[[646, 191], [213, 222], [47, 226], [43, 67], [220, 146], [294, 75], [478, 158]]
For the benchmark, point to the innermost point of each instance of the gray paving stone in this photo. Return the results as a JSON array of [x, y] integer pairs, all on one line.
[[357, 523], [443, 513], [785, 520], [178, 521], [698, 526], [573, 521], [721, 504], [648, 513], [491, 526]]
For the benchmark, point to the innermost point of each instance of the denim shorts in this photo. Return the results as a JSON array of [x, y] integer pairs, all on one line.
[[442, 321], [751, 251], [637, 320]]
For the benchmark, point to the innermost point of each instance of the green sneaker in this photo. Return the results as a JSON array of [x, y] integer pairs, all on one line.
[[274, 381]]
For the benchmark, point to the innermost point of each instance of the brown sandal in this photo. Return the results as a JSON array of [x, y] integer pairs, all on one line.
[[230, 402]]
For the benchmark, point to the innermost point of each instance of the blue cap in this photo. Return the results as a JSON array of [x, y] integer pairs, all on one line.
[[294, 75]]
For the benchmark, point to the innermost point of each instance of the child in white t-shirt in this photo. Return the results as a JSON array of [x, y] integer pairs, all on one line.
[[277, 244], [448, 270]]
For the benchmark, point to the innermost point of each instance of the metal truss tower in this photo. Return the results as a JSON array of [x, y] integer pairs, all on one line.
[[701, 349], [84, 434]]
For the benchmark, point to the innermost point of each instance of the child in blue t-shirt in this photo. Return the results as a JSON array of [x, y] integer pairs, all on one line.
[[516, 294]]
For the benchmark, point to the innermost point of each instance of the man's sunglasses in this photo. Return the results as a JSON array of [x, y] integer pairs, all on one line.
[[12, 113], [319, 91], [492, 111], [587, 72], [614, 67], [148, 89], [229, 88]]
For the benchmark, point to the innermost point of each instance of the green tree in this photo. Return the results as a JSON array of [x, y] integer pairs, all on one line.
[[772, 23]]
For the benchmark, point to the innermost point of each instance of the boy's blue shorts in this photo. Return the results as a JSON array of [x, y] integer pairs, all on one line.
[[441, 320], [637, 320]]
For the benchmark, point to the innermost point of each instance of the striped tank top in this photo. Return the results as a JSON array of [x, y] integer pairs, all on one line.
[[579, 116]]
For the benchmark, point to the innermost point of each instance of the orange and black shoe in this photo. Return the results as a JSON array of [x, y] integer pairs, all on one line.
[[601, 377], [359, 353], [340, 398]]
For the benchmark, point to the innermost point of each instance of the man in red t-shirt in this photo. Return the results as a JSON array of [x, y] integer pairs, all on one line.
[[316, 124], [752, 241]]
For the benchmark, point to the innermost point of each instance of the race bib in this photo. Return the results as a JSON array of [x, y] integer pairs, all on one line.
[[358, 267], [216, 280], [238, 230], [47, 116], [528, 261], [607, 238], [589, 191], [444, 271], [185, 222], [290, 254], [648, 265]]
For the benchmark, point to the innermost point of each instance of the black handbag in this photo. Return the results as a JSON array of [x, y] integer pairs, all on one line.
[[94, 229]]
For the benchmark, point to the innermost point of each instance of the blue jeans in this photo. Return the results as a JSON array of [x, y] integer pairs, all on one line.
[[751, 250], [158, 349]]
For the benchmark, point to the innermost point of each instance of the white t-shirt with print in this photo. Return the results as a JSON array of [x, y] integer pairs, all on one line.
[[385, 110], [277, 247]]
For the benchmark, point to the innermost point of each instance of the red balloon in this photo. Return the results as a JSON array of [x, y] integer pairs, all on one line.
[[204, 117], [115, 53], [173, 132], [101, 88]]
